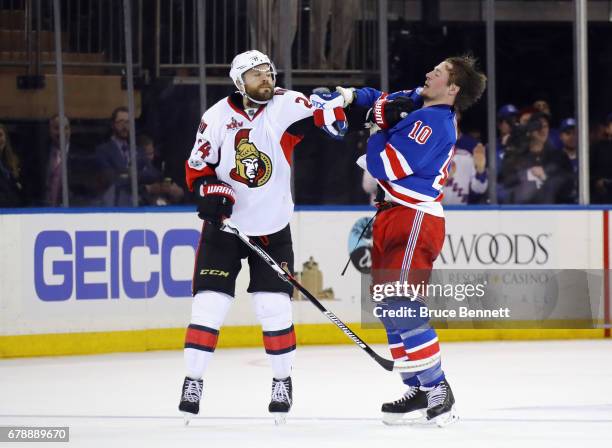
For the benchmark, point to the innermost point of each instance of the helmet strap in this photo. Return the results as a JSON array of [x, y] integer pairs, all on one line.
[[242, 90]]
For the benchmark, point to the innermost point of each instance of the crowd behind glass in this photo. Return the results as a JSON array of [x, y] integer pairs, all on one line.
[[537, 163]]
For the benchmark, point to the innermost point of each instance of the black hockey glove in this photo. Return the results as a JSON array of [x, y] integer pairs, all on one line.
[[215, 199], [387, 113]]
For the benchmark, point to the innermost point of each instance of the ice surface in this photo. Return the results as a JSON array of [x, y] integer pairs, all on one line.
[[509, 394]]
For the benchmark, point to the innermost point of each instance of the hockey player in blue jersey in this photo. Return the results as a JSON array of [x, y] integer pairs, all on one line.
[[411, 144]]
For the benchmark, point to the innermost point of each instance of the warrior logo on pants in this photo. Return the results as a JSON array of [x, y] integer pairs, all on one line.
[[253, 167]]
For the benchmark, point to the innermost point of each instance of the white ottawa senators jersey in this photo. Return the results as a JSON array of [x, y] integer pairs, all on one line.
[[253, 155]]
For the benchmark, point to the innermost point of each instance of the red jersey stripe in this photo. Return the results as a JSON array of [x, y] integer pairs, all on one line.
[[396, 166], [191, 175], [288, 142], [404, 197]]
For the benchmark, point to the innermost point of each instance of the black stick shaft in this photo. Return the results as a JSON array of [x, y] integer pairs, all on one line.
[[385, 363]]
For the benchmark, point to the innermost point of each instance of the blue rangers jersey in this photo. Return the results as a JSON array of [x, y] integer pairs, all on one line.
[[410, 161]]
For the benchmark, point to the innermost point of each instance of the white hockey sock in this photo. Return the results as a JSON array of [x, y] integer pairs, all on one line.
[[273, 309], [207, 315]]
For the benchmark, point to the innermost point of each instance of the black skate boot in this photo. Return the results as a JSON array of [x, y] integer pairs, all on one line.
[[190, 398], [413, 400], [282, 399], [441, 404]]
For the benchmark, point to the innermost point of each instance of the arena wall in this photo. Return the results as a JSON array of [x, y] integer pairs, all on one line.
[[90, 281]]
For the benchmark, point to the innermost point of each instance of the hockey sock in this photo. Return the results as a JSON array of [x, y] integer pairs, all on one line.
[[207, 315], [273, 309], [421, 343], [398, 353]]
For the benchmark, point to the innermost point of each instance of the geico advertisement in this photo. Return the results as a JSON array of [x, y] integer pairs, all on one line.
[[65, 253], [95, 272], [97, 262]]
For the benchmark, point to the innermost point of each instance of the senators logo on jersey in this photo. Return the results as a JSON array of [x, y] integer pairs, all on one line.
[[253, 167]]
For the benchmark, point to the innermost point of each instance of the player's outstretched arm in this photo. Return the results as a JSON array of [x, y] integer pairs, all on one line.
[[348, 95], [364, 97], [329, 114]]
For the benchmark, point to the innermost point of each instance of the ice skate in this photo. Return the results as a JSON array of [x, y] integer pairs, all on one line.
[[409, 409], [441, 405], [282, 399], [190, 398]]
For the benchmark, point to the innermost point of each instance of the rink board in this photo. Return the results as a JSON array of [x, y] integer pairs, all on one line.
[[92, 281]]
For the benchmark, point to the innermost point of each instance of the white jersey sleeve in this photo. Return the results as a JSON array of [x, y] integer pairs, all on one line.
[[291, 107], [205, 149]]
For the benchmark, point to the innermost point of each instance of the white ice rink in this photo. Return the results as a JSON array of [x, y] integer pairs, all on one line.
[[509, 394]]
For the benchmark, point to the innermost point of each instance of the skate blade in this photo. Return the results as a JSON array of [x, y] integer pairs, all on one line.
[[410, 418], [446, 419], [187, 418], [280, 418], [441, 420]]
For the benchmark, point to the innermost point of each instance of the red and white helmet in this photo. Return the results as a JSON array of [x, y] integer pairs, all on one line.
[[244, 62]]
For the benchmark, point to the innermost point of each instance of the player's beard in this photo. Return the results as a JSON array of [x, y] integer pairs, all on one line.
[[263, 92]]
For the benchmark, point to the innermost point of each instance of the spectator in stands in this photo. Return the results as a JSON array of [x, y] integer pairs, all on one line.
[[87, 177], [525, 114], [340, 14], [601, 166], [533, 172], [507, 119], [569, 141], [11, 192], [162, 190], [115, 154], [553, 135], [467, 180], [542, 106]]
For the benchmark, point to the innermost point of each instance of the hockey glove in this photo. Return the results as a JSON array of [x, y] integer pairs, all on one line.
[[387, 113], [215, 199], [329, 114]]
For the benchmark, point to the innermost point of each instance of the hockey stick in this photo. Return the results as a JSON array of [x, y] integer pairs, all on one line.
[[387, 364]]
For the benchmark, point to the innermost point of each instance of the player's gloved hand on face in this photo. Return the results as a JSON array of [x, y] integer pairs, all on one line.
[[215, 199], [370, 125], [348, 94], [386, 113], [329, 114]]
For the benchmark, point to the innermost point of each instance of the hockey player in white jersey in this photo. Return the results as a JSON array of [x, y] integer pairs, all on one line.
[[240, 166]]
